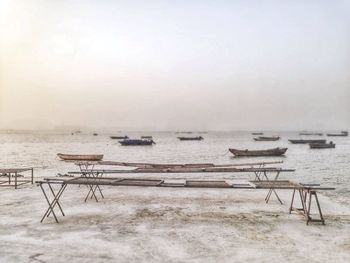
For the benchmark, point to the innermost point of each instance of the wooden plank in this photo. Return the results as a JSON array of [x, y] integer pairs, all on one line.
[[138, 182], [173, 184], [210, 184], [165, 165], [14, 170]]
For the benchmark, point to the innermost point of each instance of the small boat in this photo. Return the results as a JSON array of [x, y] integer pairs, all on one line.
[[321, 145], [198, 138], [136, 142], [257, 133], [255, 153], [301, 141], [80, 157], [146, 137], [95, 134], [119, 137], [265, 138], [342, 133], [311, 133]]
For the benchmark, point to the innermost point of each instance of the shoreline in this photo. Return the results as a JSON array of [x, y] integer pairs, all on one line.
[[134, 224]]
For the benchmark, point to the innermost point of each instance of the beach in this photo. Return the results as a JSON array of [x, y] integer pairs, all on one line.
[[135, 224], [148, 224]]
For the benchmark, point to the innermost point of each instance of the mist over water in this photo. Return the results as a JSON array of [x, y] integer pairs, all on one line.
[[232, 65]]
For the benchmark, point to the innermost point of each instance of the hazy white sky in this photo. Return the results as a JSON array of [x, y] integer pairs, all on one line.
[[162, 65]]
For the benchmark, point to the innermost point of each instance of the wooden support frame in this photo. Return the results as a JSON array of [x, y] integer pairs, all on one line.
[[306, 195], [272, 189], [87, 170], [15, 178], [55, 201], [260, 172]]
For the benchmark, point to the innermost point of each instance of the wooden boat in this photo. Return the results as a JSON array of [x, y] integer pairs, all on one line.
[[311, 133], [321, 145], [257, 133], [343, 133], [136, 142], [80, 157], [268, 152], [146, 137], [119, 137], [265, 138], [198, 138], [301, 141]]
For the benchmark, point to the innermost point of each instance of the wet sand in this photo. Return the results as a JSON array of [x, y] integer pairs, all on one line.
[[136, 224]]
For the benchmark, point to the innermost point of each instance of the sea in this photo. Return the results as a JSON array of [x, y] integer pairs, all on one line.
[[329, 167]]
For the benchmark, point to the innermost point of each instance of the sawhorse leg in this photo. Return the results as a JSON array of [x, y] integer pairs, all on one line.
[[53, 202], [306, 209], [309, 219], [90, 173], [272, 190], [302, 200], [92, 190]]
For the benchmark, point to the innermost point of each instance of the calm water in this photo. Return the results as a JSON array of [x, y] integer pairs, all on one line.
[[327, 166]]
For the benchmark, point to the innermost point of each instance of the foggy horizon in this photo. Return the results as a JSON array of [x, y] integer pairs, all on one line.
[[175, 66]]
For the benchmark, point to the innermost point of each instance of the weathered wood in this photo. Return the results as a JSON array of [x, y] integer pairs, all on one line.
[[258, 153], [301, 141], [166, 165], [198, 138], [80, 157], [207, 184], [186, 170], [14, 177], [266, 138], [90, 181]]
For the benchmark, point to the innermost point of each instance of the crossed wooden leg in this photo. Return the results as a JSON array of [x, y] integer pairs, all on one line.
[[305, 210], [53, 202]]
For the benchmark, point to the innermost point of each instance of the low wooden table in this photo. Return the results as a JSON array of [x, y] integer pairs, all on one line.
[[306, 191], [14, 177]]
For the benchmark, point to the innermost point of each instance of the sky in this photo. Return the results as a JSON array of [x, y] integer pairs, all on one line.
[[175, 65]]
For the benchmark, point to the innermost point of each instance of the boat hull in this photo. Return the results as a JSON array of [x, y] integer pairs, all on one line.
[[137, 142], [190, 138], [80, 157], [343, 134], [266, 139], [321, 145], [257, 153], [306, 141], [119, 137], [311, 133]]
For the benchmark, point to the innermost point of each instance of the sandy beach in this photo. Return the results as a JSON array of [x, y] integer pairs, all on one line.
[[140, 224], [251, 92]]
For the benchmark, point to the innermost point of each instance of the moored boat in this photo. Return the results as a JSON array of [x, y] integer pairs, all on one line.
[[302, 141], [342, 133], [266, 138], [255, 153], [311, 133], [146, 137], [257, 133], [95, 134], [119, 137], [198, 138], [80, 157], [321, 145], [136, 142]]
